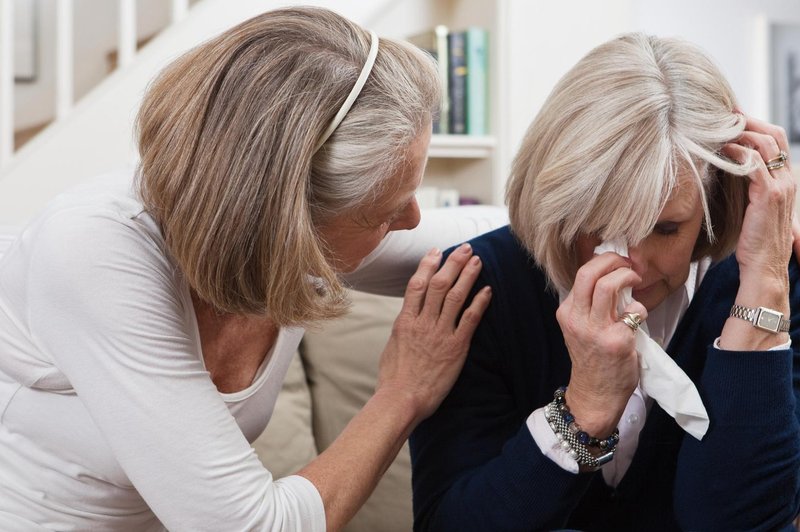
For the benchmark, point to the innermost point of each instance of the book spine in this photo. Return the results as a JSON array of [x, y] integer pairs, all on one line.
[[477, 81], [442, 57], [458, 82]]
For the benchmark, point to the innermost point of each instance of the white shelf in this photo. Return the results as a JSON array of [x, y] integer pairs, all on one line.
[[461, 147], [475, 166]]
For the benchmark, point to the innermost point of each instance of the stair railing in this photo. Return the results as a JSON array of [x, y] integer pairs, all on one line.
[[64, 96]]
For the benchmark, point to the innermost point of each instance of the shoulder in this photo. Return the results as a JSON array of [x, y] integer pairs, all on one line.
[[506, 263], [520, 293], [101, 221], [94, 244]]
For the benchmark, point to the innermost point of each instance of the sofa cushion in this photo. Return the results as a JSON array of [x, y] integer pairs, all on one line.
[[341, 362], [288, 444]]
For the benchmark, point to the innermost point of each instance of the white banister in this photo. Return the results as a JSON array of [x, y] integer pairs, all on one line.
[[127, 32], [6, 82], [179, 10], [65, 71]]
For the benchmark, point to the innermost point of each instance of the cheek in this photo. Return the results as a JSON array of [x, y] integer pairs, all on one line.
[[674, 260], [365, 243]]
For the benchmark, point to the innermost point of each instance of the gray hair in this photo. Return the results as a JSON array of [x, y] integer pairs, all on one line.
[[605, 151], [227, 137]]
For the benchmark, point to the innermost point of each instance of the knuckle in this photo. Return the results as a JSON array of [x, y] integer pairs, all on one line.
[[399, 326], [775, 195], [582, 276], [455, 296], [780, 134], [614, 344], [417, 283], [470, 316], [439, 282], [431, 261], [772, 144], [457, 257], [561, 312], [605, 286]]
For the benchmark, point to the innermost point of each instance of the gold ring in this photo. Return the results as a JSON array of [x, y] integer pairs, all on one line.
[[632, 320], [777, 162]]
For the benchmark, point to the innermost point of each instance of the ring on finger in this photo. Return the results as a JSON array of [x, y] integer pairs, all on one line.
[[777, 162], [632, 320]]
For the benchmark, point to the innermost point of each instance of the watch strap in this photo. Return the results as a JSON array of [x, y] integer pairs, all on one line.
[[760, 316]]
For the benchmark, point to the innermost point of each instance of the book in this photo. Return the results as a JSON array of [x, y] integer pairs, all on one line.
[[477, 81], [435, 43], [457, 62]]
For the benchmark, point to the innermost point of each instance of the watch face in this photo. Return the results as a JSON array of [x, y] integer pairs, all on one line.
[[768, 319]]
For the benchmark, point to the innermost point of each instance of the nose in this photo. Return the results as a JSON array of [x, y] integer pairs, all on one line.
[[639, 259], [409, 218]]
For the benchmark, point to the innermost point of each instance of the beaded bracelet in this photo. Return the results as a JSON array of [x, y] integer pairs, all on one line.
[[574, 440]]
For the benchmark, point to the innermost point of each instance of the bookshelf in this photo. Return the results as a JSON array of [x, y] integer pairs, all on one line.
[[476, 166], [462, 147]]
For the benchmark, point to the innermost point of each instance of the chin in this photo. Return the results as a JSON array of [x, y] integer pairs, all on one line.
[[650, 297]]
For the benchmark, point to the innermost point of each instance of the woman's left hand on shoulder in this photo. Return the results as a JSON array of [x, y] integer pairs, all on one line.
[[767, 238], [432, 333]]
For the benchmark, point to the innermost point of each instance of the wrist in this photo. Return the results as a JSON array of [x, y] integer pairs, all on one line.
[[743, 330], [400, 403], [590, 452], [763, 284], [764, 291], [596, 416]]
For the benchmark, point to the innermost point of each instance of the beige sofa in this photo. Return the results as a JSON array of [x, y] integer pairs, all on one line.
[[330, 379]]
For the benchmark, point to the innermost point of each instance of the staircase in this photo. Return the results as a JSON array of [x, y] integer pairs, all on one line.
[[95, 134]]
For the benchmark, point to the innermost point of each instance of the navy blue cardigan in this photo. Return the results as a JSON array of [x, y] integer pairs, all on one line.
[[477, 467]]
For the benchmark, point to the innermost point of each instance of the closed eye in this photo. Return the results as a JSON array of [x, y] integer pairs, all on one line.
[[666, 228]]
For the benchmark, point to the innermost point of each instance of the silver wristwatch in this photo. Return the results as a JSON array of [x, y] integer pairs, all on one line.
[[761, 317]]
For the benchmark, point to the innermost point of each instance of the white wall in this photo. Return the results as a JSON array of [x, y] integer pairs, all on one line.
[[727, 30], [547, 39], [95, 35]]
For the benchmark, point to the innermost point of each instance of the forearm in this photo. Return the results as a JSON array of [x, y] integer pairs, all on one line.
[[517, 488], [346, 473], [745, 473]]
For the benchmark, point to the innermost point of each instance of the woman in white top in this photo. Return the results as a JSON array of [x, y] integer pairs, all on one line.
[[145, 330]]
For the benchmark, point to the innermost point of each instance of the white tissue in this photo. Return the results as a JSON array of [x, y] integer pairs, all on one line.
[[659, 376]]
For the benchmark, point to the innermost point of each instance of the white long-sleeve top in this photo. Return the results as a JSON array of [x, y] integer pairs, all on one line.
[[108, 417]]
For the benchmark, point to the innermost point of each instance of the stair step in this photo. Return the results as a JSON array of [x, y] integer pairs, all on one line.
[[22, 136]]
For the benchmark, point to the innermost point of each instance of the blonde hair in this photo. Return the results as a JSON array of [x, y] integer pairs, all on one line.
[[605, 151], [228, 169]]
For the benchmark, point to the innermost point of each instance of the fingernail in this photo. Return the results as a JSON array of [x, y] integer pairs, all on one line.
[[465, 248], [435, 252], [475, 260], [487, 290]]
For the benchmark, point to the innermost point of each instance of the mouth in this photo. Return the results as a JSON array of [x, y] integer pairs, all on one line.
[[640, 292]]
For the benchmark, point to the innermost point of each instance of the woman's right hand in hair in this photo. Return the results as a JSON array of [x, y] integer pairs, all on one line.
[[605, 366], [431, 336]]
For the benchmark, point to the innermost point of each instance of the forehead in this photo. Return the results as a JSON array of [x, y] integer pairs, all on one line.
[[685, 197]]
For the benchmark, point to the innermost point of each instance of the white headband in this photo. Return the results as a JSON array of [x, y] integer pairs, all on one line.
[[354, 92]]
